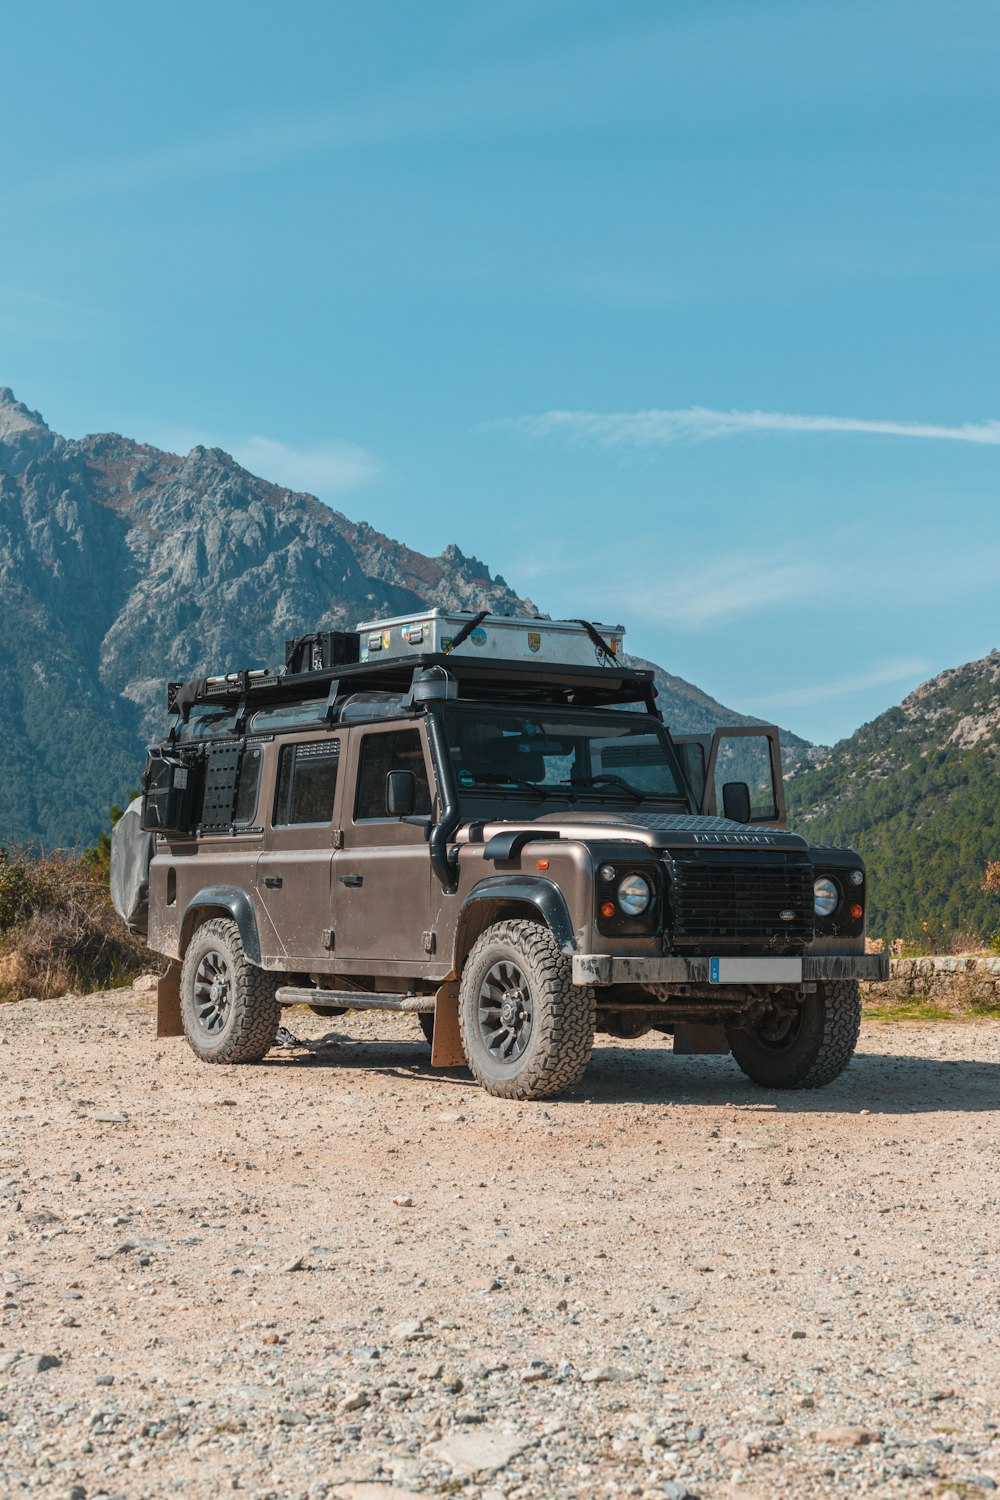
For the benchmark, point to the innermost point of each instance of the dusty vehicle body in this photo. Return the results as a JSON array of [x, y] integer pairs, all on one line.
[[509, 846]]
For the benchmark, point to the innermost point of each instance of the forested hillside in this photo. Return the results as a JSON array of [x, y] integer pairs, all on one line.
[[917, 791]]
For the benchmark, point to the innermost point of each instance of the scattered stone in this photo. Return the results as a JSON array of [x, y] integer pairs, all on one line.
[[355, 1400], [294, 1265], [403, 1201], [20, 1364], [105, 1380], [484, 1452], [373, 1490], [408, 1330], [108, 1117], [146, 984], [598, 1374], [847, 1437]]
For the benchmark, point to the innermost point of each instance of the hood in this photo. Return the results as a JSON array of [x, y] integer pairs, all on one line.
[[657, 830]]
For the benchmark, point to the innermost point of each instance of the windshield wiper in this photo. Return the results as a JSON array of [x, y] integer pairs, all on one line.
[[606, 777], [500, 778]]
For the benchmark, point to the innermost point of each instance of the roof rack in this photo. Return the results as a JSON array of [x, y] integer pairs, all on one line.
[[475, 678]]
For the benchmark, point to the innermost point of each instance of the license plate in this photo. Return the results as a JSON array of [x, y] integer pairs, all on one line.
[[755, 971]]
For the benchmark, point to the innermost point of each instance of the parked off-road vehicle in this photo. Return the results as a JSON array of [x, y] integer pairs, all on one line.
[[485, 821]]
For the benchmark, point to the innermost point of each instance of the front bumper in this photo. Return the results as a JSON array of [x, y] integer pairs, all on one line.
[[604, 969]]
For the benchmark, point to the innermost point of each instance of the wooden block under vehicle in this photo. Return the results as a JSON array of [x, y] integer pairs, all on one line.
[[692, 1037], [446, 1051]]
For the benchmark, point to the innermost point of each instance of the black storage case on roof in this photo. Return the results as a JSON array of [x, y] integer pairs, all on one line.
[[322, 651]]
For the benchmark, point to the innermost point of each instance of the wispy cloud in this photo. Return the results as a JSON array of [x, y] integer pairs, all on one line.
[[325, 469], [330, 469], [694, 598], [893, 669], [660, 428], [508, 95]]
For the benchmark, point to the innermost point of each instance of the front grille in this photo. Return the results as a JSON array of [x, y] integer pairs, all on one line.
[[725, 903]]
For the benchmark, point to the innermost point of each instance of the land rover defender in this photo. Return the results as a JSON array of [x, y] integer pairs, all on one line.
[[486, 822]]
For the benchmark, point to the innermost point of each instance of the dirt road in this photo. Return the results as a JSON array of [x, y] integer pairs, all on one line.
[[340, 1270]]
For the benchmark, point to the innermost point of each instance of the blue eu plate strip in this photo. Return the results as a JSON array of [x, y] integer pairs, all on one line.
[[713, 971]]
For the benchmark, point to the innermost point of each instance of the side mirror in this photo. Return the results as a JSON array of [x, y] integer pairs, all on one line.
[[400, 793], [736, 801]]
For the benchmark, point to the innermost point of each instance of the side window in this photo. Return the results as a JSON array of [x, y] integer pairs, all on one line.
[[693, 760], [747, 758], [380, 754], [248, 785], [307, 780]]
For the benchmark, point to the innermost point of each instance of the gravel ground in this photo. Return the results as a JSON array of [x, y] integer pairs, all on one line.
[[341, 1273]]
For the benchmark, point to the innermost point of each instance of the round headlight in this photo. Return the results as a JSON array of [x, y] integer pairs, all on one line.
[[634, 895], [857, 877], [607, 872], [826, 898]]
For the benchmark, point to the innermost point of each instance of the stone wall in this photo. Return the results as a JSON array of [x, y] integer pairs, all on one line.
[[960, 983]]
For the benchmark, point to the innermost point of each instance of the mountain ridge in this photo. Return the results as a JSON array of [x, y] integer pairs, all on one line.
[[917, 792], [123, 566]]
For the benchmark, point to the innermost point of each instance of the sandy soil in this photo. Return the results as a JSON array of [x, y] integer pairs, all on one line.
[[340, 1271]]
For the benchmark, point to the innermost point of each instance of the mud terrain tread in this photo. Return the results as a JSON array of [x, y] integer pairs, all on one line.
[[566, 1013], [257, 1013], [830, 1026], [841, 1029]]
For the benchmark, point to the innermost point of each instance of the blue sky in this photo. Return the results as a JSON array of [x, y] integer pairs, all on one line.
[[679, 314]]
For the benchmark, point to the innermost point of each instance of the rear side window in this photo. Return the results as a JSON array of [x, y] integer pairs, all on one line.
[[380, 754], [307, 781], [248, 785]]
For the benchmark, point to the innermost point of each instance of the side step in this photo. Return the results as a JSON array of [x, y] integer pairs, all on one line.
[[290, 994]]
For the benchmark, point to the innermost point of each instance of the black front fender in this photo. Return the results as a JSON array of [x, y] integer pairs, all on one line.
[[236, 903], [517, 890]]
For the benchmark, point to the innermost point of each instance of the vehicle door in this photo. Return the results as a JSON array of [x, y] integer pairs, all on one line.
[[382, 875], [294, 872], [750, 757]]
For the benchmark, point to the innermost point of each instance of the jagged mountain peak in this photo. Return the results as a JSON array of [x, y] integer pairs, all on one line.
[[24, 434], [15, 416]]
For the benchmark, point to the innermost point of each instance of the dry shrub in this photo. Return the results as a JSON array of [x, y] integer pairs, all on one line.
[[58, 929]]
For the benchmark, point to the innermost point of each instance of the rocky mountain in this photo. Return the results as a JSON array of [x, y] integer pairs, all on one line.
[[917, 791], [122, 566]]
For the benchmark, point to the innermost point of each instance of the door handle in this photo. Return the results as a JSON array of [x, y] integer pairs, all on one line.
[[273, 882], [353, 880]]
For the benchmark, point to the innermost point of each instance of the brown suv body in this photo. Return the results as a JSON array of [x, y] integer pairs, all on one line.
[[372, 840]]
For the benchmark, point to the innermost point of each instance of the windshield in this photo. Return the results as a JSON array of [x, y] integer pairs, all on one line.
[[579, 755]]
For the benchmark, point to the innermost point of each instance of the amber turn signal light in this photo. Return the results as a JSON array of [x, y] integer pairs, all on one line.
[[857, 911], [541, 864], [607, 908]]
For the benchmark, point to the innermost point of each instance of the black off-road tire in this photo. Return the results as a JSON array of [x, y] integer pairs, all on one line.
[[556, 1044], [815, 1050], [240, 1025], [426, 1019]]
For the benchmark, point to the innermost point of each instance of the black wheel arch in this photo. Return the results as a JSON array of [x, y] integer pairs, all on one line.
[[500, 896], [222, 901]]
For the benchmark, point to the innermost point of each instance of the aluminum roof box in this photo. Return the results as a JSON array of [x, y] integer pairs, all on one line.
[[549, 642]]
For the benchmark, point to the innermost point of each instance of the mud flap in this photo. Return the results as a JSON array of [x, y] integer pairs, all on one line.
[[691, 1037], [446, 1051], [168, 1003]]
